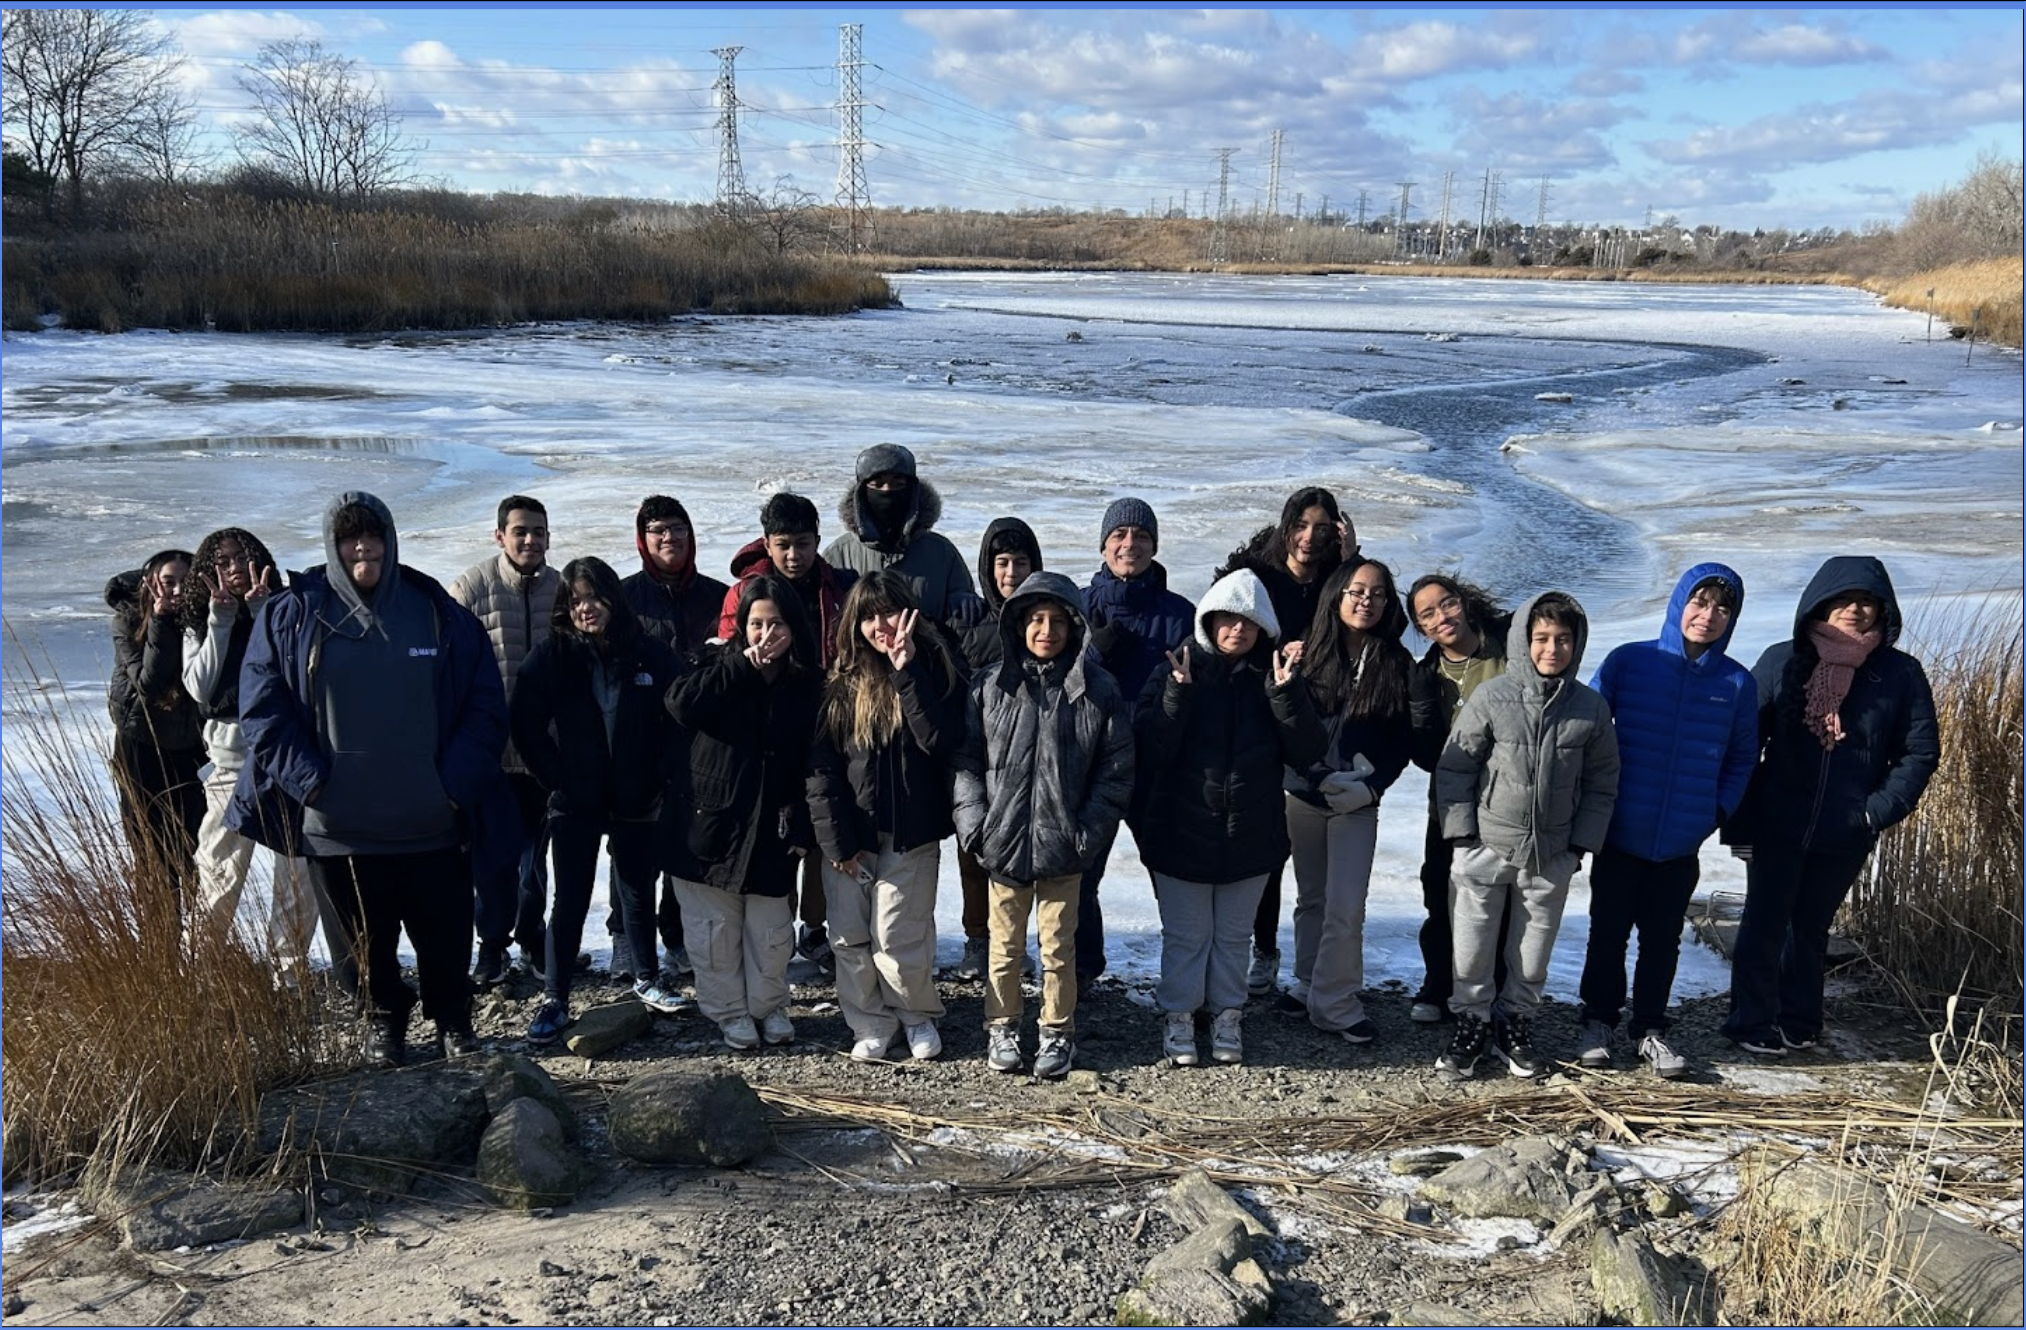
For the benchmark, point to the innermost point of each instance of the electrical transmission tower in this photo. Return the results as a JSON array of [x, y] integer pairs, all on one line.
[[1220, 244], [1364, 201], [1442, 236], [1273, 175], [1541, 214], [1400, 226], [731, 175], [852, 194]]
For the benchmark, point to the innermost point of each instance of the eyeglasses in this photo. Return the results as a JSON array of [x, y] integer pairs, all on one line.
[[1446, 605], [666, 531], [1364, 593]]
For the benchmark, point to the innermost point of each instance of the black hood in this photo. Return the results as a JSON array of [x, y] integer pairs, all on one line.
[[1849, 572], [1024, 535]]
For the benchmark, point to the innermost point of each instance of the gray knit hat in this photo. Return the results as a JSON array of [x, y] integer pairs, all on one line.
[[1129, 512], [885, 459]]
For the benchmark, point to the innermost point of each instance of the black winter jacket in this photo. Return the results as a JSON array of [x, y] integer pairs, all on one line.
[[1046, 768], [685, 616], [146, 698], [904, 784], [981, 643], [559, 727], [1839, 798], [1212, 754], [743, 815]]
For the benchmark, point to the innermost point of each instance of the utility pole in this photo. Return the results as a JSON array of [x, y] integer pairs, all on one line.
[[1298, 196], [1364, 199], [1400, 226], [1322, 214], [731, 175], [1220, 245], [852, 194]]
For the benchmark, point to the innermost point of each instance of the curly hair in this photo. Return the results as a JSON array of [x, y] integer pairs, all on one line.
[[195, 605]]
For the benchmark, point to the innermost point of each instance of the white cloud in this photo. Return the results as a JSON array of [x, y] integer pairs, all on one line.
[[237, 32], [1819, 132], [1734, 38], [1423, 50]]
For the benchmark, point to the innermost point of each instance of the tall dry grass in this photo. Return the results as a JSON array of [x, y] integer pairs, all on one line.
[[1984, 295], [1941, 911], [121, 1042]]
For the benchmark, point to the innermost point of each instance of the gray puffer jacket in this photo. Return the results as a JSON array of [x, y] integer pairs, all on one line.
[[1531, 765], [1046, 767], [515, 610]]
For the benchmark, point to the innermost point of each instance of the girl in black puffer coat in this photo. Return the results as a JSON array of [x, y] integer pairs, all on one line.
[[1214, 731], [589, 723], [879, 794], [737, 842], [1848, 724], [158, 742]]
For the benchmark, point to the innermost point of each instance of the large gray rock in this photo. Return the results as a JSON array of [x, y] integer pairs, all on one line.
[[682, 1117], [380, 1130], [1639, 1286], [1524, 1179], [524, 1162], [509, 1076], [602, 1029], [160, 1210], [1208, 1278], [1196, 1200], [1435, 1313]]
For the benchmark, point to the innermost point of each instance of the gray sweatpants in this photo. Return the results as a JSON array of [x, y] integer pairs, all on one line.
[[1332, 875], [1206, 940], [1480, 881]]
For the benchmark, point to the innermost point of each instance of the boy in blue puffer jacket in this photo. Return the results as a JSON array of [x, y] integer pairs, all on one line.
[[1688, 737]]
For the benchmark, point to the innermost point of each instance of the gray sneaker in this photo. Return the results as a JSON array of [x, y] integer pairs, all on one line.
[[1264, 972], [975, 961], [1057, 1051], [1654, 1052], [1227, 1037], [1593, 1050], [1002, 1047], [656, 998]]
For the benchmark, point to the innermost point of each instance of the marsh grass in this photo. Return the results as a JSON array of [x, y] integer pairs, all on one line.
[[122, 1043], [1984, 295]]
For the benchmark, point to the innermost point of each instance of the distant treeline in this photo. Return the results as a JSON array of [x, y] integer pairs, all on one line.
[[209, 256]]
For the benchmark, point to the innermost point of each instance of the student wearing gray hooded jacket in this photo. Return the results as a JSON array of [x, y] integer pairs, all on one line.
[[1525, 787], [1042, 778]]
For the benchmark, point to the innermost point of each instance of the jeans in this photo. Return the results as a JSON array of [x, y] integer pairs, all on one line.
[[573, 839], [1791, 895]]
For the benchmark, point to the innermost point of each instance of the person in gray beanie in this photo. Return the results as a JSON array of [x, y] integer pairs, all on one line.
[[889, 515], [1135, 621]]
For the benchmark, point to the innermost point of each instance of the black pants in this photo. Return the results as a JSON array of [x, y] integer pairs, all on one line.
[[1791, 895], [1090, 960], [161, 805], [1437, 939], [512, 900], [573, 840], [1266, 921], [373, 897], [1628, 892]]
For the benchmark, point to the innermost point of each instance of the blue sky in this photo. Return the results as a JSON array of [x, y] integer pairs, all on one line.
[[1801, 117]]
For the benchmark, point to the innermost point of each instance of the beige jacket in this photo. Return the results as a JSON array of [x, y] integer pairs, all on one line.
[[515, 611]]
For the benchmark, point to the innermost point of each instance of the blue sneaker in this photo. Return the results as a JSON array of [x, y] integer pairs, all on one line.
[[551, 1021], [667, 1001]]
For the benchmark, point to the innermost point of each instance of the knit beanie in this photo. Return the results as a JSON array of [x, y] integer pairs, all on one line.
[[1129, 512], [885, 459]]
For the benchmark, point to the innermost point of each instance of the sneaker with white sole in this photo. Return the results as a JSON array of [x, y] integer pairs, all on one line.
[[777, 1028], [871, 1050], [1178, 1039], [924, 1041], [1427, 1013], [976, 960], [1514, 1040], [1227, 1037], [1593, 1050], [1655, 1053], [1056, 1052], [656, 998], [1797, 1044], [1459, 1061], [1264, 971], [1362, 1032], [1765, 1045], [549, 1022], [1002, 1047], [740, 1033]]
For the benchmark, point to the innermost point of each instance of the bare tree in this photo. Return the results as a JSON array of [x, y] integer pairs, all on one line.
[[786, 217], [320, 123], [83, 87]]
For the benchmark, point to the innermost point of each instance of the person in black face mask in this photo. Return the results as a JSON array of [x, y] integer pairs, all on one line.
[[889, 515]]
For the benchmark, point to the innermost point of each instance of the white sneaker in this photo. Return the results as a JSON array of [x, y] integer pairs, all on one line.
[[1425, 1013], [1264, 971], [1594, 1050], [1227, 1040], [1654, 1052], [1178, 1042], [777, 1028], [923, 1042], [740, 1033], [870, 1050]]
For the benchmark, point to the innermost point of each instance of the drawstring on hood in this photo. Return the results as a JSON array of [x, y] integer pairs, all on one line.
[[362, 610]]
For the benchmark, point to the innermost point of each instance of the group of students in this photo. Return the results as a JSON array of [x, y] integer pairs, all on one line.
[[421, 757]]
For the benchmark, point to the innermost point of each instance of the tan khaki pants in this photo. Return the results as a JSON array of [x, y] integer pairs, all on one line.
[[740, 946], [884, 938], [1056, 898], [223, 858]]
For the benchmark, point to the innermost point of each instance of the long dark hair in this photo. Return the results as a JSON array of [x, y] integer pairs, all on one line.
[[861, 702], [1344, 677], [803, 651], [194, 610], [1482, 612], [155, 564], [622, 627], [1269, 544]]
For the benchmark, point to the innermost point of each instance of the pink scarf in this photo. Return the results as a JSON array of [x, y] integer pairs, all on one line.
[[1838, 654]]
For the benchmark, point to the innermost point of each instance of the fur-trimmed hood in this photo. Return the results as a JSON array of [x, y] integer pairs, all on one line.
[[922, 517]]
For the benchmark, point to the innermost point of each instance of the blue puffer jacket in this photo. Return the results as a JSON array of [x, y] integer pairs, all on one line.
[[1688, 732], [1135, 624]]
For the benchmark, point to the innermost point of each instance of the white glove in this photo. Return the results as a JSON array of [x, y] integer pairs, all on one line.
[[1344, 793], [1361, 768]]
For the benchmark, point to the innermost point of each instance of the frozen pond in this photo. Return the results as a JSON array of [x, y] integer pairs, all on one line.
[[1766, 426]]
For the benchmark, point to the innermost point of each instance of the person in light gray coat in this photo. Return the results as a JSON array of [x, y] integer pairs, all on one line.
[[1042, 779], [1525, 788], [889, 516]]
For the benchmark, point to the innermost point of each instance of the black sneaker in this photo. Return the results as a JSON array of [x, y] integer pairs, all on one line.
[[491, 968], [1515, 1045], [1364, 1032], [814, 947], [457, 1044], [1459, 1063], [386, 1045], [1765, 1045]]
